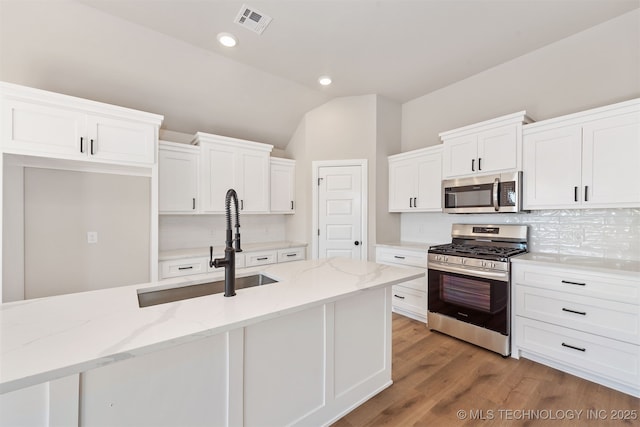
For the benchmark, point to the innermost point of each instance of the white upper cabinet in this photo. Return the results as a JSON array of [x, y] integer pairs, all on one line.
[[415, 181], [283, 173], [584, 160], [178, 178], [233, 163], [46, 124], [487, 147]]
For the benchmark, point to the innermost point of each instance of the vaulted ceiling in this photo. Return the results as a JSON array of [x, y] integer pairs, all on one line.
[[163, 57]]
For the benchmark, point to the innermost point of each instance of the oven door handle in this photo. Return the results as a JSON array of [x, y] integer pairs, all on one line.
[[495, 194], [502, 276]]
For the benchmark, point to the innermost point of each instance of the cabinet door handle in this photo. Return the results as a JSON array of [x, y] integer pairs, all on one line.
[[82, 144], [582, 313], [575, 194], [567, 282], [415, 202], [574, 347], [185, 268], [586, 193], [398, 257], [91, 147], [241, 204], [292, 205], [473, 165], [410, 202], [193, 205], [479, 163], [398, 296]]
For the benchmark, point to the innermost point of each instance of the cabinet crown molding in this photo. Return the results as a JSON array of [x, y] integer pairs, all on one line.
[[201, 137], [514, 118], [39, 96], [630, 106]]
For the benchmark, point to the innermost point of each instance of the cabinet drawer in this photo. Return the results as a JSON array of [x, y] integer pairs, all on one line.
[[260, 258], [592, 354], [183, 267], [606, 318], [402, 257], [604, 286], [409, 299], [293, 254]]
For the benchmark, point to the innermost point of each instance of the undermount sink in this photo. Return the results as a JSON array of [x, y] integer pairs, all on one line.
[[162, 296]]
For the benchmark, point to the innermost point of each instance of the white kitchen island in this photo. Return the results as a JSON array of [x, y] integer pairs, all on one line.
[[303, 351]]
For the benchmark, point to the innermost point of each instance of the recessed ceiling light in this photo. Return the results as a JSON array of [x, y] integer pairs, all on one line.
[[324, 80], [227, 40]]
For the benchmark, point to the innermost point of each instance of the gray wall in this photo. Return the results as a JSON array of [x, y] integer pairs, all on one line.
[[60, 207], [596, 67], [357, 127]]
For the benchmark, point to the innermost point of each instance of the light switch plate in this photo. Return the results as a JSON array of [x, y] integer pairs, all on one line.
[[92, 237]]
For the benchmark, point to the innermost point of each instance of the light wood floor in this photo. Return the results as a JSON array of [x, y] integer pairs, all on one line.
[[435, 376]]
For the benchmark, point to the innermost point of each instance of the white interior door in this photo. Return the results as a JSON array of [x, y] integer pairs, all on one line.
[[340, 201]]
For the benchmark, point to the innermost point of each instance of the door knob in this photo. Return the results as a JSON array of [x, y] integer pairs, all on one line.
[[356, 243]]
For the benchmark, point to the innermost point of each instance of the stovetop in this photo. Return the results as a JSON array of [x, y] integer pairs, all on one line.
[[489, 252]]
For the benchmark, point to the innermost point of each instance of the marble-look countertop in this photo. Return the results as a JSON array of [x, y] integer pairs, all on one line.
[[409, 245], [49, 338], [219, 249], [599, 265]]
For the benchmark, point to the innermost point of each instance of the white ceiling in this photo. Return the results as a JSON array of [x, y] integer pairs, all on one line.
[[394, 48]]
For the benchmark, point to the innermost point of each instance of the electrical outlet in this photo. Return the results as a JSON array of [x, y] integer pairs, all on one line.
[[92, 237]]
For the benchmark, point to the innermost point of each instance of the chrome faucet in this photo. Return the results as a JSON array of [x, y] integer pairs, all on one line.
[[229, 260]]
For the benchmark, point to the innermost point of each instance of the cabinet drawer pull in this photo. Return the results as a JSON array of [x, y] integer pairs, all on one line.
[[573, 347], [398, 257], [582, 313], [567, 282], [264, 258], [185, 268], [575, 194], [398, 296], [291, 254]]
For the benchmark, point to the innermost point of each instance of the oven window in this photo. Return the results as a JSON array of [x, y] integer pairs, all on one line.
[[467, 292], [469, 196]]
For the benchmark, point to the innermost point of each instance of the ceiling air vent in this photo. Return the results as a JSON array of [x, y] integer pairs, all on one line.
[[252, 19]]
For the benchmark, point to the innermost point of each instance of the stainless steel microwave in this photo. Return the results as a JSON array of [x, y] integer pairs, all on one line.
[[483, 194]]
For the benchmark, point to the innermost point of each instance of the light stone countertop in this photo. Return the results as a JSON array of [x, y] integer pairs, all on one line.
[[586, 264], [409, 245], [49, 338], [219, 249]]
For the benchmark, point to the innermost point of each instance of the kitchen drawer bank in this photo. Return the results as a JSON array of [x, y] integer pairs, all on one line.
[[186, 262], [580, 315], [303, 351], [409, 298]]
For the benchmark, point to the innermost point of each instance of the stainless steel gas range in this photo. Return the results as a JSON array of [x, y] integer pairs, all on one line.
[[469, 286]]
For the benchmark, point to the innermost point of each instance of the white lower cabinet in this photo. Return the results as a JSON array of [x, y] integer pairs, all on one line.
[[587, 324], [408, 298], [197, 265], [183, 267], [306, 368]]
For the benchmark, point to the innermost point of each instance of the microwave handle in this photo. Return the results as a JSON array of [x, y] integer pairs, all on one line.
[[496, 206]]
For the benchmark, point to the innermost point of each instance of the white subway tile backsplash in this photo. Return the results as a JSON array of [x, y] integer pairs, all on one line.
[[602, 233]]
